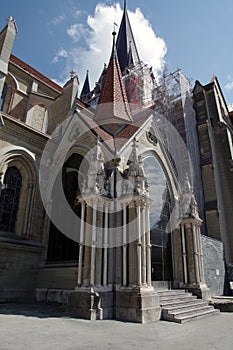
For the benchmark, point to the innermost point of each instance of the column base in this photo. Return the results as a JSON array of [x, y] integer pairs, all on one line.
[[138, 304], [87, 304], [201, 291]]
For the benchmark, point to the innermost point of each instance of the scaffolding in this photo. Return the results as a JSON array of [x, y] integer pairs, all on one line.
[[173, 100], [139, 84]]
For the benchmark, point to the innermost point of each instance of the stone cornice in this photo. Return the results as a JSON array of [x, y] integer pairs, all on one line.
[[20, 130]]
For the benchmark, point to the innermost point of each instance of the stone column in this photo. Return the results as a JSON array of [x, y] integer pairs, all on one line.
[[105, 265], [148, 247], [143, 237], [193, 278], [93, 246], [132, 246], [124, 246], [201, 268], [87, 254], [196, 254], [139, 246], [184, 253], [81, 244], [99, 242]]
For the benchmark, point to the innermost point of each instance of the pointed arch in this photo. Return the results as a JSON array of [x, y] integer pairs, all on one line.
[[60, 247], [9, 200], [22, 162]]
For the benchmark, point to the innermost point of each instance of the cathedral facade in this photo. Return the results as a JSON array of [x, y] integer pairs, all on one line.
[[98, 207]]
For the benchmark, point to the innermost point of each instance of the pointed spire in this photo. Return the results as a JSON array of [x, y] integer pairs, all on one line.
[[130, 61], [125, 36], [113, 105], [85, 93]]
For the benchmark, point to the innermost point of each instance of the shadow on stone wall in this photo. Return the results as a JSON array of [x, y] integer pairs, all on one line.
[[214, 265]]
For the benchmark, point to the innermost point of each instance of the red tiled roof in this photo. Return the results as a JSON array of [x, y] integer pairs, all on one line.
[[15, 60], [113, 102], [116, 142]]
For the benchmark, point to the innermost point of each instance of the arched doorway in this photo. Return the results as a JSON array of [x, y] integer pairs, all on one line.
[[60, 247], [161, 256]]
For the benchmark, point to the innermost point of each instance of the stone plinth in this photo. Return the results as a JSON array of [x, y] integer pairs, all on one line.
[[201, 291], [139, 305], [90, 305]]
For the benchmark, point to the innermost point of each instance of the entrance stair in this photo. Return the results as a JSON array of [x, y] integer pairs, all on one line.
[[180, 306]]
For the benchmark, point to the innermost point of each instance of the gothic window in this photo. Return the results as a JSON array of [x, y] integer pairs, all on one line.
[[4, 91], [9, 200]]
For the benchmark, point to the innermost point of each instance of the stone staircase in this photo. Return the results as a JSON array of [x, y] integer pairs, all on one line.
[[180, 306]]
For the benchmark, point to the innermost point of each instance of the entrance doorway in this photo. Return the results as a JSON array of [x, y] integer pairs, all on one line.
[[161, 255]]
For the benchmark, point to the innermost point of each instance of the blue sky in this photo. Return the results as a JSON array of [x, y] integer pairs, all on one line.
[[54, 36]]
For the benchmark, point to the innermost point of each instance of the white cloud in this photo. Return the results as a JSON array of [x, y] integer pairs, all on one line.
[[79, 13], [78, 32], [62, 53], [94, 40], [152, 49], [58, 19], [229, 86]]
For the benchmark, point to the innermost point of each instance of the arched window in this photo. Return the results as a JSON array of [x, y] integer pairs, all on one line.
[[9, 200], [4, 91]]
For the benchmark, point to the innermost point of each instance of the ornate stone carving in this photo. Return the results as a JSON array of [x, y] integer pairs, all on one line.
[[151, 137]]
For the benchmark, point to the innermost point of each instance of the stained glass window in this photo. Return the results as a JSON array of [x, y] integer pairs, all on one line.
[[9, 200]]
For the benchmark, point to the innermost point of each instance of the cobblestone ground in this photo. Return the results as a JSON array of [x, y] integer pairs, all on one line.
[[30, 327]]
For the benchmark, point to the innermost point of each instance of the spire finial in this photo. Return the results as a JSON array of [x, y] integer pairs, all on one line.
[[125, 4], [113, 56], [72, 74]]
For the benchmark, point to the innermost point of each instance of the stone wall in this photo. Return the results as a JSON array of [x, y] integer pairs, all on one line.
[[214, 266], [19, 262], [55, 277]]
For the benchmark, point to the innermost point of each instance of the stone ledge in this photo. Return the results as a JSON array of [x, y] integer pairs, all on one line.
[[224, 304]]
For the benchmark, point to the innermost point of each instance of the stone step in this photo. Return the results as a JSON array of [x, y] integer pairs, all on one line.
[[175, 302], [195, 315], [176, 297], [189, 311], [180, 306], [197, 303], [171, 292]]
